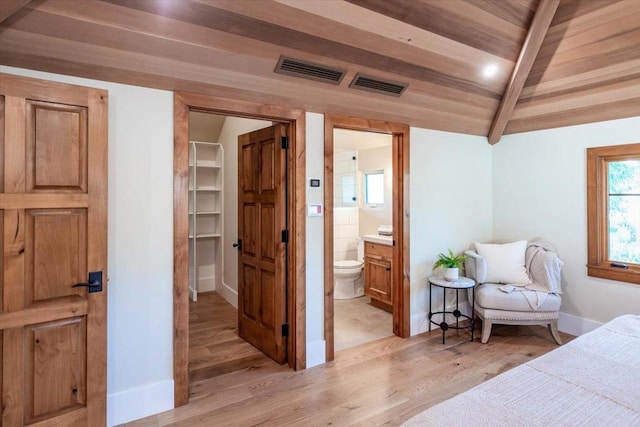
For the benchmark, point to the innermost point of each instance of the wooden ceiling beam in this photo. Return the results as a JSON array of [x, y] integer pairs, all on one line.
[[531, 46], [10, 7]]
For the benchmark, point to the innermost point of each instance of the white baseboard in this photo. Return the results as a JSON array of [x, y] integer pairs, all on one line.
[[316, 353], [230, 295], [575, 325], [139, 402]]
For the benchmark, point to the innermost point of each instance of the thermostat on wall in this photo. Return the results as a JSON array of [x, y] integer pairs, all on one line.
[[314, 182]]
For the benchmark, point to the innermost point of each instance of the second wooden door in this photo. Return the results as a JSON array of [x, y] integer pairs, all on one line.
[[262, 229]]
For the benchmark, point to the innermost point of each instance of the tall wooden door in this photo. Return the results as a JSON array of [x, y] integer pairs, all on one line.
[[262, 232], [53, 219]]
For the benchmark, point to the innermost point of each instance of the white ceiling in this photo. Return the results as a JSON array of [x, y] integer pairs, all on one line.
[[353, 140]]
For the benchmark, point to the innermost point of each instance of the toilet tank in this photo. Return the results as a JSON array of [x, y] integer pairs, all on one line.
[[360, 249]]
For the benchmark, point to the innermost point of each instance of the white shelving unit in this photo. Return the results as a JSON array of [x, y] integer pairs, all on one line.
[[205, 216]]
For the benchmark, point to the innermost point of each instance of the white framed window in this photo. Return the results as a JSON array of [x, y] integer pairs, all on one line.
[[613, 212], [374, 188]]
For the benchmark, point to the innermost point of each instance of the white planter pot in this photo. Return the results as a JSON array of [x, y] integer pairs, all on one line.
[[451, 274]]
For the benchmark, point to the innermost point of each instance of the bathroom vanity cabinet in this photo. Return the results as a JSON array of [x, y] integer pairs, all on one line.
[[378, 277]]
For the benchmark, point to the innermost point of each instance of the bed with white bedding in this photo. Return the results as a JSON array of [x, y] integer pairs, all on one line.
[[593, 380]]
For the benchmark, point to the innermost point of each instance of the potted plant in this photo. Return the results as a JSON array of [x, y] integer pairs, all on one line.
[[451, 264]]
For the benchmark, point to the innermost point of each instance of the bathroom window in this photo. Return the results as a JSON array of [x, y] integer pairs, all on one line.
[[374, 188]]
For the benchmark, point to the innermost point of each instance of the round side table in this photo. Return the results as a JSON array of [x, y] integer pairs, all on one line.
[[461, 284]]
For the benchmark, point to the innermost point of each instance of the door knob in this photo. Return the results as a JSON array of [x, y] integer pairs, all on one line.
[[238, 245]]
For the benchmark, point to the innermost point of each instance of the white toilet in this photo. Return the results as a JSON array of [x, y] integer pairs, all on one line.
[[347, 276]]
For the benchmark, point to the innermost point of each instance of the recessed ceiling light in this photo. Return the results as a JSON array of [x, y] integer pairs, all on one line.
[[490, 70]]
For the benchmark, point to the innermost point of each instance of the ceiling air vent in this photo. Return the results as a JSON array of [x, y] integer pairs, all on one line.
[[376, 85], [309, 70]]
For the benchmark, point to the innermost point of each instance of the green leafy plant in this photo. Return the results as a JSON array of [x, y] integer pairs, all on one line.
[[450, 261]]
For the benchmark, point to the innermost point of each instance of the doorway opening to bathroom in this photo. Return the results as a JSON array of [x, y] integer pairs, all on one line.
[[238, 185], [366, 230]]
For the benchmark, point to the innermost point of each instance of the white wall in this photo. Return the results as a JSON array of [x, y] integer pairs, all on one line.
[[314, 148], [450, 205], [540, 190], [370, 160], [233, 126], [140, 238]]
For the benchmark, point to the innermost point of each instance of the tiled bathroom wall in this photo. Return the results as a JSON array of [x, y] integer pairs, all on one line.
[[345, 233], [345, 166]]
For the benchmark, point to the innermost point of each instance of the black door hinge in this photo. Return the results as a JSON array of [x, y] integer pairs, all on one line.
[[285, 236], [284, 142], [285, 329]]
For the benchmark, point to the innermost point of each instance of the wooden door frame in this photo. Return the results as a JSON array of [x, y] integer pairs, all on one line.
[[400, 215], [296, 311]]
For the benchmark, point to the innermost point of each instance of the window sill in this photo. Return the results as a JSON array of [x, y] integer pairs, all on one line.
[[632, 275]]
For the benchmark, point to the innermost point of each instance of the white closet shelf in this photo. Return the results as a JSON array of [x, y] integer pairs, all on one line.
[[206, 164], [206, 213], [205, 188]]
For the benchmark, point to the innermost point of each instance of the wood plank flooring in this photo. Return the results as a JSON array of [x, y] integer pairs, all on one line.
[[214, 345], [379, 383]]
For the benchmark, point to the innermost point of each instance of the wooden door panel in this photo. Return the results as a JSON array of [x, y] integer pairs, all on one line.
[[268, 233], [13, 378], [248, 169], [1, 269], [1, 148], [249, 282], [1, 363], [53, 336], [56, 248], [267, 167], [248, 235], [14, 154], [267, 299], [55, 368], [56, 147], [14, 239]]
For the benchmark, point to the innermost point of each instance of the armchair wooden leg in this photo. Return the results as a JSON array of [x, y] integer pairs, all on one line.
[[486, 330], [553, 328]]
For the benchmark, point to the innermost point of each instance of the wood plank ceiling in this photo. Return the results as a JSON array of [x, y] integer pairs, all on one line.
[[587, 68]]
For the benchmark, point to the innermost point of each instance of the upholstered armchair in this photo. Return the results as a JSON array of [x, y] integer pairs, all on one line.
[[516, 284]]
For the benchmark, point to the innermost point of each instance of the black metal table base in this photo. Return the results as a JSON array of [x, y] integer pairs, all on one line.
[[456, 313]]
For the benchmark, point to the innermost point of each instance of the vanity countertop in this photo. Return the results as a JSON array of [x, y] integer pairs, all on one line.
[[376, 238]]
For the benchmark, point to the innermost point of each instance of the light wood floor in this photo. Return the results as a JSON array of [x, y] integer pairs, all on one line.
[[380, 383], [214, 345]]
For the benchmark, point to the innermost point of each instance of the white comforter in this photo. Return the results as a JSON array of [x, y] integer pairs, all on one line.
[[592, 381]]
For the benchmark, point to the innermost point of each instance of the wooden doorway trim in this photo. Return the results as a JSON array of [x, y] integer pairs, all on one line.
[[400, 165], [296, 312]]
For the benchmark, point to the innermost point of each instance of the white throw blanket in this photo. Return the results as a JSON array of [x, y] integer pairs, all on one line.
[[544, 268], [592, 381]]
